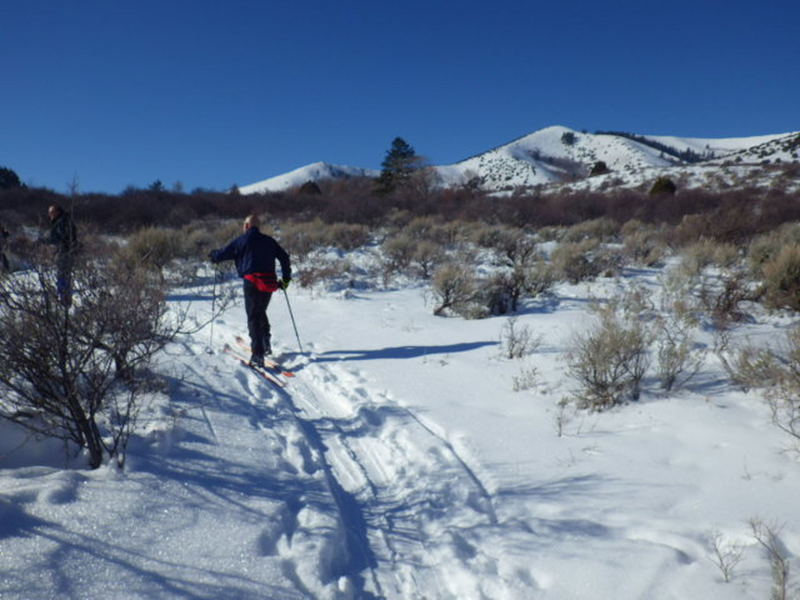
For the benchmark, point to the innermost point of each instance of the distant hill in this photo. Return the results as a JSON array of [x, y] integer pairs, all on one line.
[[557, 156], [318, 171]]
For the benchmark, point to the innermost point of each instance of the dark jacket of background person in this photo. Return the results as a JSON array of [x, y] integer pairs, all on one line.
[[62, 234], [4, 266]]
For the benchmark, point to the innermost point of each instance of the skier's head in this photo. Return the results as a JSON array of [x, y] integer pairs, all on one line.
[[54, 211], [250, 221]]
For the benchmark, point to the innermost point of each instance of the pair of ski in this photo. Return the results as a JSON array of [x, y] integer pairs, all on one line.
[[271, 369]]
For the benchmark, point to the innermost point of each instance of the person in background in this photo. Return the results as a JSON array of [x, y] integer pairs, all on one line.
[[64, 237], [4, 266], [254, 255]]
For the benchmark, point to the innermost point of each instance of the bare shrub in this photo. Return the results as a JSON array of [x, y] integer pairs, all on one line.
[[196, 241], [153, 247], [781, 276], [513, 247], [678, 356], [324, 271], [577, 261], [80, 371], [602, 229], [725, 555], [422, 228], [398, 252], [768, 246], [643, 245], [453, 288], [775, 368], [225, 231], [303, 238], [719, 292], [517, 341], [768, 538], [696, 257], [722, 298], [526, 379], [347, 236], [503, 292], [426, 256], [609, 361]]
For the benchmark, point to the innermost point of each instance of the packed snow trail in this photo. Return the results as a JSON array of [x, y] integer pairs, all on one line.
[[415, 517]]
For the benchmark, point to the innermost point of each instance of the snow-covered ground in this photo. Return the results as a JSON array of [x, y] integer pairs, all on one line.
[[400, 463]]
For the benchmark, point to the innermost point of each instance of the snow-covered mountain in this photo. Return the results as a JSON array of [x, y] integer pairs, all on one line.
[[317, 171], [557, 156]]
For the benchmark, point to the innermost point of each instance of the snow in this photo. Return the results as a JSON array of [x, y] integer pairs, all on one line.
[[400, 463], [542, 158], [313, 172]]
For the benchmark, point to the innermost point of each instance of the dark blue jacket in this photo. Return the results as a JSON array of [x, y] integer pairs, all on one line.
[[254, 252], [62, 235]]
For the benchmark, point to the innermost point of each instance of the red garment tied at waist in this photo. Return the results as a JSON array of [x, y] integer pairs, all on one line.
[[264, 282]]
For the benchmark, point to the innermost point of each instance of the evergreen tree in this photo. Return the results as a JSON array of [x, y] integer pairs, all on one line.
[[663, 185], [400, 163], [8, 179]]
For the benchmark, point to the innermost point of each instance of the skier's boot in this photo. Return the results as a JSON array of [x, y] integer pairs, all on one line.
[[257, 360]]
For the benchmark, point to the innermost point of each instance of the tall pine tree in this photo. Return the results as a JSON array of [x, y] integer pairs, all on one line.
[[400, 163], [8, 179]]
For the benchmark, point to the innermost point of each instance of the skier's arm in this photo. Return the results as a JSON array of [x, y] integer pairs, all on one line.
[[283, 259], [227, 253]]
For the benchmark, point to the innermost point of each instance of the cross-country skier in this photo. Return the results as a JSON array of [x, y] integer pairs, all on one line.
[[254, 254]]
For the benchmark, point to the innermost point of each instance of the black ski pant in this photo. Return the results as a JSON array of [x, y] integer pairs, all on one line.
[[64, 264], [255, 305]]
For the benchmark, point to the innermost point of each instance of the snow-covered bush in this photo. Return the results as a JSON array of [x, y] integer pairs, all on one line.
[[577, 261], [517, 341], [426, 256], [398, 252], [609, 361], [77, 373], [722, 297], [777, 369], [503, 292], [513, 247], [678, 356], [454, 287], [713, 274]]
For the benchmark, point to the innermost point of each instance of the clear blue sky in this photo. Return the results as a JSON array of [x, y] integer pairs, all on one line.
[[112, 93]]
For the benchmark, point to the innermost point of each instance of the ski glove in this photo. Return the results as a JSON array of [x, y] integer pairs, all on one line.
[[285, 283]]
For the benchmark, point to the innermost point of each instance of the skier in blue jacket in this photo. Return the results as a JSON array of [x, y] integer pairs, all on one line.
[[254, 255]]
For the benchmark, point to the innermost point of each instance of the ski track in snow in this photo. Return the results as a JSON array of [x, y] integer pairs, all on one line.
[[405, 515]]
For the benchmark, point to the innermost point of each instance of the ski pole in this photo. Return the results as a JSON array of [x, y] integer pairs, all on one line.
[[213, 309], [286, 295]]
